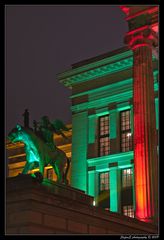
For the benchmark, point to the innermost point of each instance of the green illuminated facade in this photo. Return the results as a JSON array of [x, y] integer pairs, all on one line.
[[102, 128]]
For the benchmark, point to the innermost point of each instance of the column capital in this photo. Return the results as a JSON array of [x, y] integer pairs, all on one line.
[[139, 16], [140, 37]]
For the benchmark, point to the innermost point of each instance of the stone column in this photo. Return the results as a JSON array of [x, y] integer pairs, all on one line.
[[141, 42]]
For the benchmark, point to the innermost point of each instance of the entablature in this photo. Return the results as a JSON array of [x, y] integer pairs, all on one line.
[[97, 69], [91, 71]]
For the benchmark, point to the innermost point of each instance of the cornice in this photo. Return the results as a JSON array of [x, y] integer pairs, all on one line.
[[97, 69]]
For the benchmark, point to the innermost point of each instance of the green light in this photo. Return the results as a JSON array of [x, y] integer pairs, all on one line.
[[123, 106], [109, 89], [92, 129], [124, 96], [157, 112], [85, 127], [102, 111], [91, 183], [117, 157], [33, 175], [125, 165], [113, 125], [113, 190], [79, 151], [39, 154], [97, 68]]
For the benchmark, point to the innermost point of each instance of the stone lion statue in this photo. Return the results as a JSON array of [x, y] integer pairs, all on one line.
[[39, 154]]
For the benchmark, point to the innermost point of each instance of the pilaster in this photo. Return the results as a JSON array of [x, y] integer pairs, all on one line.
[[114, 190], [93, 184], [79, 151]]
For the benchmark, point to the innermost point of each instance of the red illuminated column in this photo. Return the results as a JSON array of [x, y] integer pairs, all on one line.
[[141, 42]]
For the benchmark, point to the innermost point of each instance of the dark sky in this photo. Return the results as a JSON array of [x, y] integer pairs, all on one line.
[[42, 41]]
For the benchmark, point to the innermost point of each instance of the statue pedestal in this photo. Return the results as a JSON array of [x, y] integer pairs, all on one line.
[[51, 208]]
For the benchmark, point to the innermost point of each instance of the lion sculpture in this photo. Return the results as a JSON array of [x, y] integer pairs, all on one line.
[[39, 154]]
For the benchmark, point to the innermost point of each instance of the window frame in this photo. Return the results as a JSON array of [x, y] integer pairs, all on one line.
[[104, 136], [51, 172], [130, 211], [126, 176], [128, 141], [102, 190]]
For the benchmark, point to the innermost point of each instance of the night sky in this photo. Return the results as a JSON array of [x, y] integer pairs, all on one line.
[[42, 41]]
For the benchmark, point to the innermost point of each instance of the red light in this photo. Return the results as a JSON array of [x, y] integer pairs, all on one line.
[[125, 9], [155, 28], [144, 201]]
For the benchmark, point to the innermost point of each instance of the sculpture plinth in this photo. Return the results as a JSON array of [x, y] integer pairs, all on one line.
[[53, 208]]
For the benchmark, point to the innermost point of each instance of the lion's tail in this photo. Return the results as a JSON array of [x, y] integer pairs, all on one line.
[[67, 168]]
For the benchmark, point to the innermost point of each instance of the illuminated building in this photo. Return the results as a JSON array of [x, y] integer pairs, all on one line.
[[102, 129], [115, 122]]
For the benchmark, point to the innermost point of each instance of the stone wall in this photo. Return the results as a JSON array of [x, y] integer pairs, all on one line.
[[51, 208]]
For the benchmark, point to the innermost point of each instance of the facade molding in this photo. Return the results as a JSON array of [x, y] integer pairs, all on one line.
[[112, 158], [63, 77], [98, 69], [102, 102], [108, 88], [114, 85], [98, 72], [98, 99]]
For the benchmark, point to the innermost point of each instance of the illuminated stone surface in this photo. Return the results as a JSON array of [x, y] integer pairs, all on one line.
[[50, 208], [142, 39], [104, 85], [108, 92]]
